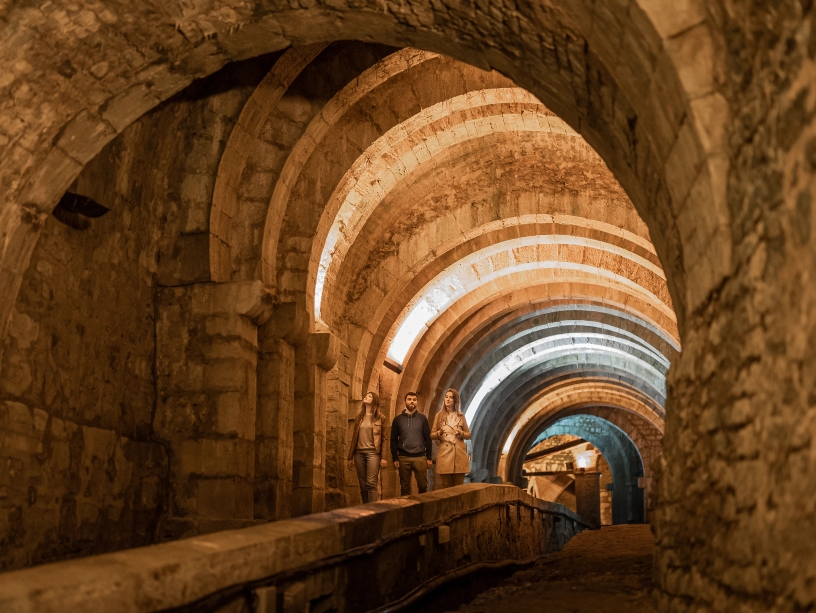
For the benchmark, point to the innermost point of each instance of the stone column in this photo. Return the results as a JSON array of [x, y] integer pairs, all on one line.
[[389, 476], [337, 431], [286, 328], [313, 360], [290, 439], [588, 497], [206, 361]]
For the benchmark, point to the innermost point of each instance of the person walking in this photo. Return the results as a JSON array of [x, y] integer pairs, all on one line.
[[365, 450], [411, 447], [451, 430]]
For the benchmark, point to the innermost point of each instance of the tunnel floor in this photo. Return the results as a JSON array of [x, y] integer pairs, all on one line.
[[598, 571]]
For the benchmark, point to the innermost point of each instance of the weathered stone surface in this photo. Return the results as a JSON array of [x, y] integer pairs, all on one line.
[[486, 523], [273, 425], [206, 369], [703, 113], [588, 497]]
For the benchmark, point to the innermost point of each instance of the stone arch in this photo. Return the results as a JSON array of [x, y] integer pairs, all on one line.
[[484, 330], [379, 323], [471, 375], [553, 389], [316, 154], [561, 284], [666, 118], [645, 436], [242, 143], [678, 152], [469, 323], [503, 292], [507, 426], [590, 350], [498, 338], [621, 454], [540, 252], [409, 147], [396, 276], [540, 189]]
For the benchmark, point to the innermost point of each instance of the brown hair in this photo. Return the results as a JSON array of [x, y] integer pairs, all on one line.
[[456, 401], [375, 404]]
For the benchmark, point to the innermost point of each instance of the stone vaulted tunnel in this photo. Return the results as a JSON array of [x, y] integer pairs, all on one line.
[[223, 223]]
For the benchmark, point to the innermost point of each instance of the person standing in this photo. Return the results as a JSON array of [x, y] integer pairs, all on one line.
[[451, 430], [411, 447], [365, 450]]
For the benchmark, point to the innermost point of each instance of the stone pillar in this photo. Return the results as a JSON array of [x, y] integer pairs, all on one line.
[[388, 387], [206, 362], [273, 429], [287, 327], [588, 497], [313, 360], [337, 431]]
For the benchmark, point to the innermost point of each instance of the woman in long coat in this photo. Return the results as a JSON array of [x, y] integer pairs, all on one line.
[[451, 430], [365, 450]]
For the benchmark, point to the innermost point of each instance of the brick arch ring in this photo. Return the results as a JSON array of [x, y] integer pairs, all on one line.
[[470, 346], [451, 332], [521, 261], [472, 361], [496, 426]]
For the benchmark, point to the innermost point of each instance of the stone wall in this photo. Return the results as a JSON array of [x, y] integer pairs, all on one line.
[[343, 561], [80, 473], [736, 486], [703, 110], [206, 378], [97, 459], [85, 473]]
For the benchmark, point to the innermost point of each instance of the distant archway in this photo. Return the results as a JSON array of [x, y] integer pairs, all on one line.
[[621, 454]]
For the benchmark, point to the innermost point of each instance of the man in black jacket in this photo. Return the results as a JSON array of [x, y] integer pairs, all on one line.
[[411, 448]]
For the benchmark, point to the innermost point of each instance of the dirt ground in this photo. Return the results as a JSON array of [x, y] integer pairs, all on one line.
[[598, 571]]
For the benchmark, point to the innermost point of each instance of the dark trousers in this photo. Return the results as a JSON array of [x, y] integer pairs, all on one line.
[[449, 480], [419, 468]]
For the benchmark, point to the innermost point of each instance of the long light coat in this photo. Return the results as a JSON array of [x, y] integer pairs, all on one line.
[[452, 457]]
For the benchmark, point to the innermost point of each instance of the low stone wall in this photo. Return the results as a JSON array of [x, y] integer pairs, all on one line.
[[347, 560]]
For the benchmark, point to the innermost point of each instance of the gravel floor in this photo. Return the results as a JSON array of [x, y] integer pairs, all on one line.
[[598, 571]]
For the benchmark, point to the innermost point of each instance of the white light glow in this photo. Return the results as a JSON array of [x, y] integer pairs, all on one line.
[[583, 459], [488, 264], [531, 352], [606, 331]]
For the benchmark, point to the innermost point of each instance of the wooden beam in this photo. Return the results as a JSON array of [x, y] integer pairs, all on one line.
[[551, 450]]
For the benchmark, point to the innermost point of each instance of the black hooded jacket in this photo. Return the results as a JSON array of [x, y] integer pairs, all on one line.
[[411, 436]]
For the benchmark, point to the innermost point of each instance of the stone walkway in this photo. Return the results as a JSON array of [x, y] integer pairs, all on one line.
[[598, 571]]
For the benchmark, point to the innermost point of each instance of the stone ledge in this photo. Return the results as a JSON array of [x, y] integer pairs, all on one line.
[[173, 574]]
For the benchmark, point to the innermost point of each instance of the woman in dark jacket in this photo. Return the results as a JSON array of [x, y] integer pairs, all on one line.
[[365, 450]]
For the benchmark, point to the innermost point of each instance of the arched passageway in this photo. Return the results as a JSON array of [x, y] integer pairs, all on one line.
[[620, 452], [539, 205]]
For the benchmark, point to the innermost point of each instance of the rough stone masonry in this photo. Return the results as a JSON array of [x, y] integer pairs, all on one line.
[[637, 174]]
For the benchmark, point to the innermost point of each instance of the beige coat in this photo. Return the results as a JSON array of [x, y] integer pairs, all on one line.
[[452, 456]]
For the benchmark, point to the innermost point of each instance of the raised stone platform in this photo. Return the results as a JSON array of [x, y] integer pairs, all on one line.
[[354, 559]]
